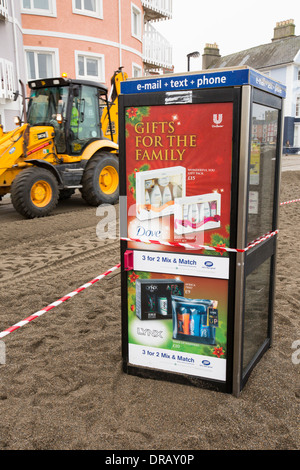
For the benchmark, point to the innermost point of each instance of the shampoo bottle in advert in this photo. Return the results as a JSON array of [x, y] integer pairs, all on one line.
[[155, 197], [194, 322]]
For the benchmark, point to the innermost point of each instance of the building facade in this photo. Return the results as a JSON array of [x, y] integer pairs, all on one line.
[[280, 60], [12, 66], [90, 39], [85, 39]]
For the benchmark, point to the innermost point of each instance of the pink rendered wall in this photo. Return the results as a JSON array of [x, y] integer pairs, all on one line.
[[66, 22]]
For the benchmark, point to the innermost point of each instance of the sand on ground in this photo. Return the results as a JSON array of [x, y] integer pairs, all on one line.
[[62, 386]]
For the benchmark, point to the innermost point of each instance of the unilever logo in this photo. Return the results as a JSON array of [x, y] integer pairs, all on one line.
[[217, 119]]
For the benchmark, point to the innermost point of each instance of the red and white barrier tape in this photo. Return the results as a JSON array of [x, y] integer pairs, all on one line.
[[58, 302], [289, 202], [218, 248]]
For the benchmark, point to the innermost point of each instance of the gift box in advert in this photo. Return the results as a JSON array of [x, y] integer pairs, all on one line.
[[156, 191], [194, 320], [196, 213], [153, 297]]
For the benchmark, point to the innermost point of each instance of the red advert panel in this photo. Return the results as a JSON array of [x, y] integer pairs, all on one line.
[[178, 170]]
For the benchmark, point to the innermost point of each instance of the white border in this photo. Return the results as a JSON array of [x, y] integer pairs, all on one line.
[[181, 264], [195, 364]]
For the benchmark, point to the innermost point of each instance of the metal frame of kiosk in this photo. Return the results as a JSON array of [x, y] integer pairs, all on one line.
[[256, 103]]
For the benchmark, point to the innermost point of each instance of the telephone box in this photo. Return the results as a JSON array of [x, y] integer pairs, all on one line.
[[199, 187]]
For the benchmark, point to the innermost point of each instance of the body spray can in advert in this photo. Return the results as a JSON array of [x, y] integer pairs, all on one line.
[[194, 322], [204, 327], [163, 306], [183, 321], [151, 303]]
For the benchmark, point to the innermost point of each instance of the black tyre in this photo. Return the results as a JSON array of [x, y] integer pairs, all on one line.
[[100, 181], [34, 192]]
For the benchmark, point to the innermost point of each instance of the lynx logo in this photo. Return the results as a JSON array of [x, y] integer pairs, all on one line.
[[217, 119], [147, 332], [151, 288]]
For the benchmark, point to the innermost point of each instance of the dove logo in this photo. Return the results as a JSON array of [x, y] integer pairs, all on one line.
[[217, 119]]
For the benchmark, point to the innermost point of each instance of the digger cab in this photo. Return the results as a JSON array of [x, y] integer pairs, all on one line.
[[72, 107]]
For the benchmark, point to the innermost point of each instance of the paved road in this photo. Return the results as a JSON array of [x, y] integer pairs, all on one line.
[[290, 163]]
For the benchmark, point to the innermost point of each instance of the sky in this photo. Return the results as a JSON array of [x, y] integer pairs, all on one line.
[[234, 25]]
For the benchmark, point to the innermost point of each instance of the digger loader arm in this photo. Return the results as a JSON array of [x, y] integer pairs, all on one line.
[[11, 148], [110, 119]]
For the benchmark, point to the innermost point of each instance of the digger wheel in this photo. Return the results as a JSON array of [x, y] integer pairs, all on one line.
[[34, 192], [100, 181]]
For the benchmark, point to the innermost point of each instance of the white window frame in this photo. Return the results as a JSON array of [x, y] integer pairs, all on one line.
[[45, 50], [297, 109], [136, 10], [138, 68], [92, 55], [297, 134], [36, 11], [97, 14]]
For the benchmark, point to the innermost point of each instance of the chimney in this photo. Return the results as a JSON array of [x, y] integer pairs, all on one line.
[[284, 29], [211, 53]]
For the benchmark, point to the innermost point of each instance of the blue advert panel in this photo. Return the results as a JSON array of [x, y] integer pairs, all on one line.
[[201, 80]]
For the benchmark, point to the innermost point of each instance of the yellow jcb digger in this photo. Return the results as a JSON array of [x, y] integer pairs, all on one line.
[[68, 139]]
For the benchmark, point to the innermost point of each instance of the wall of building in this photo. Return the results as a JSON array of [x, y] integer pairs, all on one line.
[[291, 118], [12, 60], [288, 75], [106, 39], [64, 38]]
